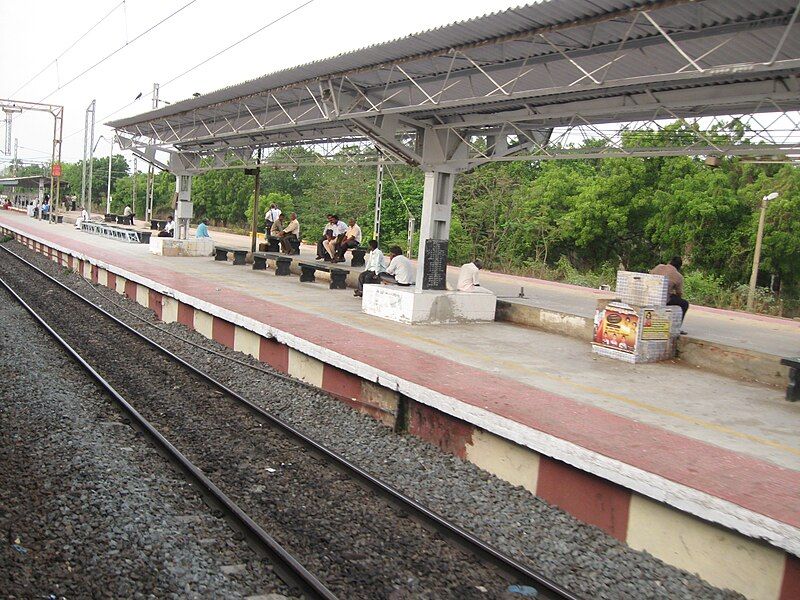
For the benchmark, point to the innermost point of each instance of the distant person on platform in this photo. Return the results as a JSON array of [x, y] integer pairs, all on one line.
[[128, 213], [290, 232], [270, 217], [372, 271], [468, 277], [400, 270], [83, 218], [46, 205], [352, 239], [672, 271], [327, 236], [276, 227], [202, 230], [169, 228]]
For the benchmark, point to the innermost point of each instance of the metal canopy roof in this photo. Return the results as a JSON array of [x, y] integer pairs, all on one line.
[[507, 79]]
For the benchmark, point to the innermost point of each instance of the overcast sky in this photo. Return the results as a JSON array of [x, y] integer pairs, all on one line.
[[34, 32]]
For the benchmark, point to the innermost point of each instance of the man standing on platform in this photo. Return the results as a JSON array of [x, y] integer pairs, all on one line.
[[373, 269], [400, 270], [271, 217], [672, 271], [128, 213]]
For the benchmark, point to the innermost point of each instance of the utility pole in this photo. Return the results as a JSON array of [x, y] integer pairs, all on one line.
[[88, 151], [108, 186], [133, 188], [751, 292], [378, 199], [14, 163], [256, 194], [151, 170]]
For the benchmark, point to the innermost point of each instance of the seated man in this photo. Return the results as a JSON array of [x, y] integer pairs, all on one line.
[[276, 227], [327, 233], [169, 228], [672, 271], [202, 230], [84, 216], [352, 238], [128, 213], [468, 277], [373, 269], [400, 270], [334, 238], [291, 232]]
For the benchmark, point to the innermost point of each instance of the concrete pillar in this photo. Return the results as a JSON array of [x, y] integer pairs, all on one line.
[[184, 208], [434, 232]]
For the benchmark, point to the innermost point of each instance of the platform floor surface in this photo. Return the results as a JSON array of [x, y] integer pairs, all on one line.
[[751, 421]]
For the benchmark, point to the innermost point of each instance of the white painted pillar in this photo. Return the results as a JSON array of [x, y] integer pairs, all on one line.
[[437, 203]]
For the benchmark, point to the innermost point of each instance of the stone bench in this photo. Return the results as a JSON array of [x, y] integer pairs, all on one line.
[[282, 262], [357, 259], [239, 255], [158, 224], [144, 235], [338, 275], [123, 220], [793, 389]]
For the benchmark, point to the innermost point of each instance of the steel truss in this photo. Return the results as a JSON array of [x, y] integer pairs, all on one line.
[[536, 93]]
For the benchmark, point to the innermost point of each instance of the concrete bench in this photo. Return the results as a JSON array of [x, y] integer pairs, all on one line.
[[358, 254], [239, 255], [144, 235], [123, 220], [158, 224], [338, 275], [282, 262], [793, 389], [110, 218]]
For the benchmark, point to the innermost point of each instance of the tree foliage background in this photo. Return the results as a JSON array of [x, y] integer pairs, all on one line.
[[576, 220]]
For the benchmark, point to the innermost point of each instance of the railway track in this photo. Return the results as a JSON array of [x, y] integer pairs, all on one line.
[[329, 528]]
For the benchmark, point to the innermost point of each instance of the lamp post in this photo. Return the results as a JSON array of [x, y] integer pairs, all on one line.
[[757, 254]]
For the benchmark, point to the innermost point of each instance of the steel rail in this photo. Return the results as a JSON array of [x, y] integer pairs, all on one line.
[[515, 570], [286, 565]]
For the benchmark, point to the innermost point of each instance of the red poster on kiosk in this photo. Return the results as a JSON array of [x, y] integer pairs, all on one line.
[[617, 328]]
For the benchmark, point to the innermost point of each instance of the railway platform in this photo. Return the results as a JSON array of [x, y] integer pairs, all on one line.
[[699, 469]]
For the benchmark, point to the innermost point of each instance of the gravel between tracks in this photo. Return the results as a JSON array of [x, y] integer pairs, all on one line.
[[580, 557], [96, 511]]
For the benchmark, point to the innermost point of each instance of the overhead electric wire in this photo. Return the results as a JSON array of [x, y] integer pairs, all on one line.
[[70, 47], [201, 63], [125, 45]]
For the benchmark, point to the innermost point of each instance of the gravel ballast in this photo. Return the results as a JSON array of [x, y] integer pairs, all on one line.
[[582, 558], [87, 508]]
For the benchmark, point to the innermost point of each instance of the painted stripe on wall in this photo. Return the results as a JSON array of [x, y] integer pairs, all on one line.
[[186, 315], [95, 274], [247, 342], [440, 429], [223, 332], [588, 497], [142, 295], [204, 323], [111, 281], [790, 588], [305, 367], [274, 354], [130, 289], [341, 383], [155, 302], [102, 277], [506, 460], [169, 309], [721, 557]]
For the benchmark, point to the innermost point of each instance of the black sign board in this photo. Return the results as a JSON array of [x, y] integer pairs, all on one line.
[[434, 275]]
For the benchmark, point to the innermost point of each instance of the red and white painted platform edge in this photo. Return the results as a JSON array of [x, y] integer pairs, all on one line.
[[748, 495]]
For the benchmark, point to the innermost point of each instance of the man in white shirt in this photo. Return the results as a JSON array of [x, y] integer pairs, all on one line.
[[81, 219], [128, 213], [332, 242], [169, 228], [352, 239], [468, 277], [270, 217], [400, 270], [373, 269]]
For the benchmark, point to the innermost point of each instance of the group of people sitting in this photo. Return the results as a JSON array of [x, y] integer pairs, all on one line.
[[286, 232], [337, 238]]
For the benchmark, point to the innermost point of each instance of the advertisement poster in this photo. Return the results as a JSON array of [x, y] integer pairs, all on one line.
[[654, 327], [617, 328]]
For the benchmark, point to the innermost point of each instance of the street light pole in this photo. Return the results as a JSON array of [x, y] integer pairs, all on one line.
[[108, 187], [751, 292]]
